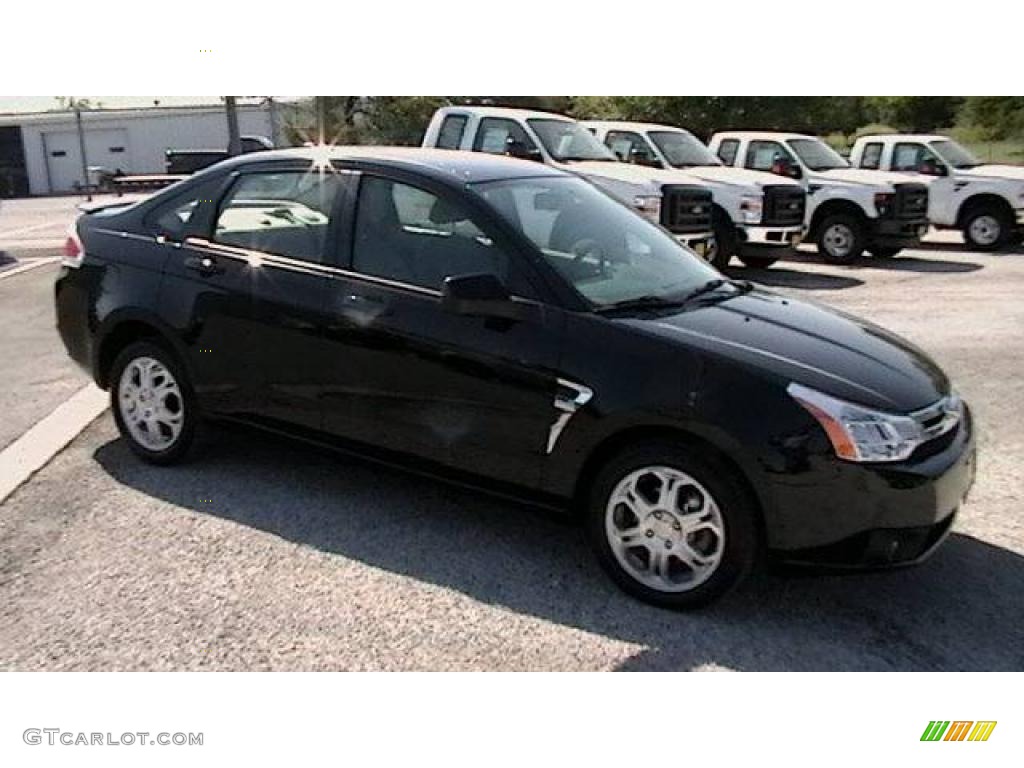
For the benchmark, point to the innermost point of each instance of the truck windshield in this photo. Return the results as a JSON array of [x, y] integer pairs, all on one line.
[[567, 141], [817, 155], [602, 248], [682, 149], [954, 154]]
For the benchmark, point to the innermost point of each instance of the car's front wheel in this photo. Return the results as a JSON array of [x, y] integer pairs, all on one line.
[[840, 239], [986, 228], [672, 527], [153, 404]]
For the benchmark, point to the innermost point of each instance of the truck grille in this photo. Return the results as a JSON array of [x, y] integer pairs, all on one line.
[[685, 209], [911, 201], [784, 206]]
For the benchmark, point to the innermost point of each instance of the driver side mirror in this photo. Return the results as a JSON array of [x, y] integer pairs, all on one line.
[[520, 151], [929, 167], [638, 157], [783, 166], [482, 295]]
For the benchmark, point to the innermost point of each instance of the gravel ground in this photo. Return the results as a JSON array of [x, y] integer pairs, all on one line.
[[269, 555]]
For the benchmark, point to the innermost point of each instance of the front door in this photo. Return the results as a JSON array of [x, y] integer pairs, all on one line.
[[404, 374]]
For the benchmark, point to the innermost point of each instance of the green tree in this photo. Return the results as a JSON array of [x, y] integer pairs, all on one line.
[[915, 113], [994, 117]]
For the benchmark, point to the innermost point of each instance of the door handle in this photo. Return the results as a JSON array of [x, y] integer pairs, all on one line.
[[204, 265]]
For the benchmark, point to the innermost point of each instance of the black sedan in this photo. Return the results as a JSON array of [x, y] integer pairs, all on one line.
[[503, 323]]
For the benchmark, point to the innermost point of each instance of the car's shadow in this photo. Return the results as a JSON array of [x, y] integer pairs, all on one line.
[[961, 610], [777, 277], [905, 263]]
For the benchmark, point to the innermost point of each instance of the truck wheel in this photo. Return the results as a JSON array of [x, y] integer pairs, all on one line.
[[840, 239], [757, 261], [722, 251], [884, 253], [986, 228], [672, 526]]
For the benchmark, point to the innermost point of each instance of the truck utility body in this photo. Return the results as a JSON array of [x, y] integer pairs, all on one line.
[[679, 202], [984, 201], [849, 210], [757, 216]]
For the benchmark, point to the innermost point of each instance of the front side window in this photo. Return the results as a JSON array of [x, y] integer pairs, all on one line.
[[817, 155], [871, 157], [727, 151], [171, 219], [450, 135], [683, 149], [630, 148], [911, 157], [283, 213], [412, 236], [765, 155], [496, 134], [606, 251], [567, 141]]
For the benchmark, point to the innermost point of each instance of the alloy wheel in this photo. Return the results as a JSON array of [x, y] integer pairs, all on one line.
[[151, 404]]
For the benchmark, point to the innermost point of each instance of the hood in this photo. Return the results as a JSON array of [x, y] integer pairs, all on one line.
[[1015, 172], [866, 178], [738, 177], [631, 174], [807, 343]]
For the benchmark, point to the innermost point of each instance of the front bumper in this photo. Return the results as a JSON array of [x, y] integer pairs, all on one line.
[[1020, 217], [768, 240], [698, 242], [844, 514], [897, 233]]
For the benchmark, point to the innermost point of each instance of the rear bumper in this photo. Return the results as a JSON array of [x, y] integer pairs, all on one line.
[[902, 233], [767, 241], [848, 515], [71, 304]]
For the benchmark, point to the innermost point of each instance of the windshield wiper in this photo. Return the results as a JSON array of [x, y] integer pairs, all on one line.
[[649, 301]]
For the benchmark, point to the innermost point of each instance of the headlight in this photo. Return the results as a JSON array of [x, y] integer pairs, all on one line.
[[883, 202], [863, 434], [649, 206], [751, 207]]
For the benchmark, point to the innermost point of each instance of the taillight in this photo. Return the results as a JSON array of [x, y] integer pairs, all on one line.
[[73, 250]]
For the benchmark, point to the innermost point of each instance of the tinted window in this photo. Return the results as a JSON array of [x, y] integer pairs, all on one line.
[[909, 157], [412, 236], [727, 150], [762, 155], [452, 128], [495, 133], [630, 147], [871, 157], [171, 218]]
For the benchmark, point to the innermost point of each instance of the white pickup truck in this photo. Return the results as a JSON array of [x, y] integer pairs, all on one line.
[[985, 202], [678, 202], [848, 210], [757, 216]]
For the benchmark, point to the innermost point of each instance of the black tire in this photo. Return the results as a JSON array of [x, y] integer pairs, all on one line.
[[743, 546], [853, 233], [756, 261], [176, 450], [986, 228], [725, 241], [884, 253]]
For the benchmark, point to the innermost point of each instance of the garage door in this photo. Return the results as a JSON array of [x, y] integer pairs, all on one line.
[[107, 148]]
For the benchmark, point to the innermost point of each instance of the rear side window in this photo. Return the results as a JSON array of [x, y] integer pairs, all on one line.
[[281, 213], [762, 155], [412, 236], [727, 151], [171, 219], [496, 133], [871, 157], [452, 128]]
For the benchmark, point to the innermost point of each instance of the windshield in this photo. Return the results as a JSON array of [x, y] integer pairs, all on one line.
[[682, 150], [954, 154], [567, 141], [606, 251], [817, 155]]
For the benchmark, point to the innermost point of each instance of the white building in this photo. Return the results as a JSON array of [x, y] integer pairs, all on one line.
[[132, 140]]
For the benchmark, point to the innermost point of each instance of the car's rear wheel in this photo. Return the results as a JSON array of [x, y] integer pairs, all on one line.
[[154, 407], [840, 239], [672, 527]]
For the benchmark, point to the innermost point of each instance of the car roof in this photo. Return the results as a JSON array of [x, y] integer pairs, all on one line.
[[763, 135], [515, 114], [904, 137], [444, 164], [630, 125]]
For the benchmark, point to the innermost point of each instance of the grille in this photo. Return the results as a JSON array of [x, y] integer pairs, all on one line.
[[911, 201], [939, 422], [685, 209], [784, 206]]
